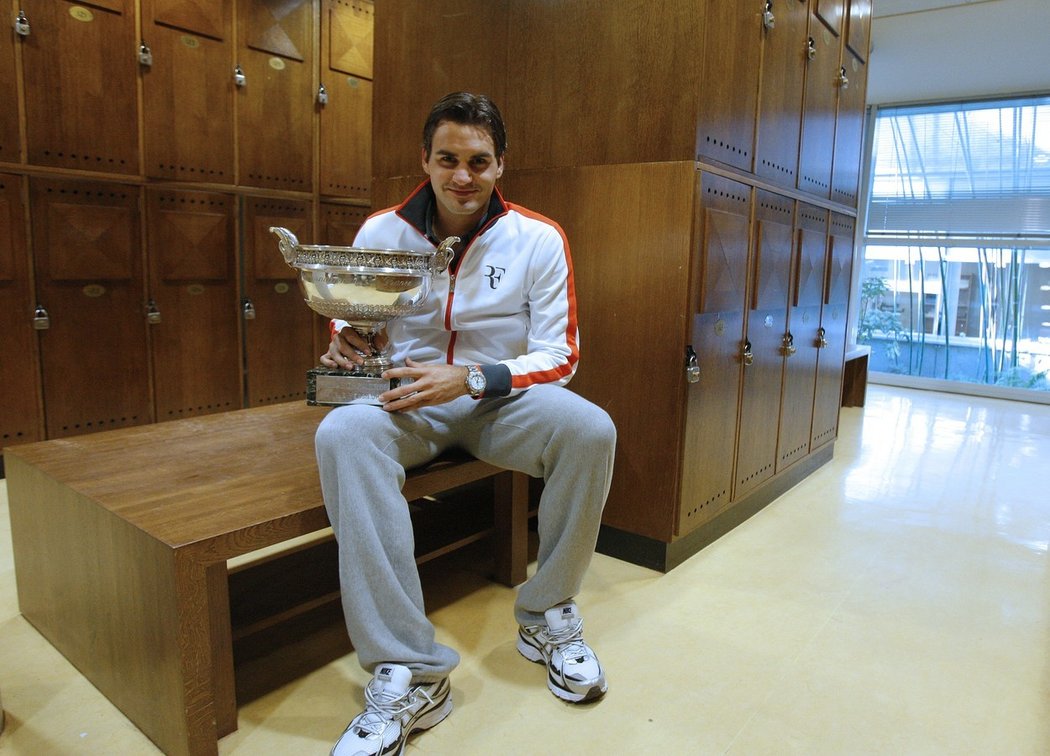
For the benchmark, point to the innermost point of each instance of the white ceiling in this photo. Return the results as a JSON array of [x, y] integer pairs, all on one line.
[[883, 8]]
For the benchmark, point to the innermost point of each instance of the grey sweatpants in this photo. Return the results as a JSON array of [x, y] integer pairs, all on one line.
[[362, 452]]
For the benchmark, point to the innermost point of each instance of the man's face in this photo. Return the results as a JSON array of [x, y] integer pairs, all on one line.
[[463, 169]]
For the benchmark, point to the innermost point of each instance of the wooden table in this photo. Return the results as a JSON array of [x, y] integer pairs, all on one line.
[[121, 539]]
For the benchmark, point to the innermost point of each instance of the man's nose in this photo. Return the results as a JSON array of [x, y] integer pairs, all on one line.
[[461, 175]]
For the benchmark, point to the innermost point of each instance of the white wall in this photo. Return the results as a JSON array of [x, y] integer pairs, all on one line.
[[969, 49]]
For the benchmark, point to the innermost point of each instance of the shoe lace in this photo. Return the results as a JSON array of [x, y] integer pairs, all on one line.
[[381, 710], [569, 640]]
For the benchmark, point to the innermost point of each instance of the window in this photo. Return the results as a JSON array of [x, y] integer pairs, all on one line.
[[955, 269]]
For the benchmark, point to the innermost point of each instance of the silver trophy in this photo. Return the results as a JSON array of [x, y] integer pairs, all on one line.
[[366, 288]]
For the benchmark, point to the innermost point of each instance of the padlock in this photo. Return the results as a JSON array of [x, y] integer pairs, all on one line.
[[238, 76], [811, 49], [41, 320], [145, 54], [22, 24], [248, 309], [152, 313], [692, 366], [768, 19], [322, 95]]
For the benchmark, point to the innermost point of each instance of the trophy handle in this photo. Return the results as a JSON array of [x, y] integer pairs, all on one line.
[[444, 253], [287, 244]]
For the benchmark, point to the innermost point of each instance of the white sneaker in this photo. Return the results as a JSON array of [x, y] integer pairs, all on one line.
[[394, 709], [573, 671]]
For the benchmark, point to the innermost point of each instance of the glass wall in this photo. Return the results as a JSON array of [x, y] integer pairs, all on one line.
[[955, 273]]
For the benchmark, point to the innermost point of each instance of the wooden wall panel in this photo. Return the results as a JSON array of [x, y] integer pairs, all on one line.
[[340, 223], [188, 107], [780, 104], [86, 250], [81, 102], [849, 132], [732, 43], [10, 146], [818, 119], [210, 18], [275, 107], [20, 418], [428, 67], [193, 280], [346, 137], [282, 324]]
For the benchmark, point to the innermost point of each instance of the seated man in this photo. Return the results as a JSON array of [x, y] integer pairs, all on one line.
[[489, 357]]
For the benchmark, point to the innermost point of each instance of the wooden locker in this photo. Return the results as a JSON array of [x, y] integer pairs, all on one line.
[[10, 147], [340, 223], [20, 410], [187, 91], [725, 126], [765, 331], [346, 118], [831, 12], [276, 104], [833, 317], [80, 85], [196, 344], [781, 93], [818, 115], [89, 277], [849, 131], [800, 367], [279, 334], [858, 37], [716, 336]]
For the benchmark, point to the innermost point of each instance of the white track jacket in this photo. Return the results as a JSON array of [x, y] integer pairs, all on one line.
[[506, 302]]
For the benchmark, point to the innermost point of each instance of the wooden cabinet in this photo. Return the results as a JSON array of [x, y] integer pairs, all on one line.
[[80, 85], [717, 142], [145, 147], [90, 279], [20, 418]]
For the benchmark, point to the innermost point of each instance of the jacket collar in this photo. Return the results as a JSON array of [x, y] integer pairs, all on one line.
[[416, 209]]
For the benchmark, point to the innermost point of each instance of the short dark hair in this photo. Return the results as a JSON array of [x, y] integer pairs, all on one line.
[[469, 109]]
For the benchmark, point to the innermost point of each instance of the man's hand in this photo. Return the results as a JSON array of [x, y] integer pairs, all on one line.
[[348, 349], [432, 384]]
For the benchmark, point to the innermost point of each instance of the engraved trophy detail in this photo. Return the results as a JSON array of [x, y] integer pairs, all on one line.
[[367, 288]]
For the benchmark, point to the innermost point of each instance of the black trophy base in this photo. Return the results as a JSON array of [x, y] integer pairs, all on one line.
[[331, 387]]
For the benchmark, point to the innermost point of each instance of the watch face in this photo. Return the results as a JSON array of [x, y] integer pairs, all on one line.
[[475, 381]]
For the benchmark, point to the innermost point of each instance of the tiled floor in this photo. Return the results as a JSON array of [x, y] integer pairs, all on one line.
[[897, 602]]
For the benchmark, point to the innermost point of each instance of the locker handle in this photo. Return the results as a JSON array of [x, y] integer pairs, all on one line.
[[843, 79], [811, 49], [748, 355], [692, 366], [322, 95], [822, 338], [145, 54], [22, 24], [238, 76], [152, 313], [41, 320], [248, 309], [768, 19], [788, 347]]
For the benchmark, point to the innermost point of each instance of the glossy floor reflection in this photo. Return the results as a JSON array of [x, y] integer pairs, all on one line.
[[897, 601]]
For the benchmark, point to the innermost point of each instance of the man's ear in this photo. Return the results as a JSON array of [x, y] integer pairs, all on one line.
[[423, 157], [499, 168]]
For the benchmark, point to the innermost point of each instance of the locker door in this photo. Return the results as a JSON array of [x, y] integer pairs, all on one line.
[[80, 85], [89, 276], [800, 367], [828, 397], [191, 241], [279, 334], [818, 115], [831, 12], [724, 209], [276, 104], [20, 418], [849, 131], [858, 36], [188, 90], [765, 330], [9, 146], [729, 83], [780, 107]]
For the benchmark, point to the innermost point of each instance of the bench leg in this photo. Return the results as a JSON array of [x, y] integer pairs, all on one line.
[[511, 539]]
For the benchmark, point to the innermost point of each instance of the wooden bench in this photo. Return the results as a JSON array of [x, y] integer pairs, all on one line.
[[855, 375], [122, 539]]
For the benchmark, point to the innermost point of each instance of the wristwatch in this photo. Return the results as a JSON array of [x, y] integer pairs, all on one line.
[[475, 381]]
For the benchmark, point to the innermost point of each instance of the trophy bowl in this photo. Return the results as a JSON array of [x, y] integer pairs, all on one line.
[[367, 288]]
